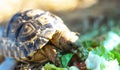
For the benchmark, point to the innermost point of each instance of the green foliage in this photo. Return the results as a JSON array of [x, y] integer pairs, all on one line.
[[108, 55], [49, 66], [65, 59], [116, 55], [101, 51]]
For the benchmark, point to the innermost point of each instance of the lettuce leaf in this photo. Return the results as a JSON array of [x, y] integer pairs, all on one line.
[[108, 55], [112, 40], [49, 66], [101, 51], [96, 62], [66, 58], [116, 55]]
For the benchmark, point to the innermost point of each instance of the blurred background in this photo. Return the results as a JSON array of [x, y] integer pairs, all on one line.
[[90, 18], [83, 16]]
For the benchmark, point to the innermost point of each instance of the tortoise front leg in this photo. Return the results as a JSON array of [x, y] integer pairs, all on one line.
[[39, 57], [47, 53]]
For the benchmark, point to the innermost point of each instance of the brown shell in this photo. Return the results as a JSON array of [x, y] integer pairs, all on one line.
[[31, 30]]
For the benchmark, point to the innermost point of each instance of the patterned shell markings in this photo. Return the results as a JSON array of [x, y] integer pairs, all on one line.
[[32, 29]]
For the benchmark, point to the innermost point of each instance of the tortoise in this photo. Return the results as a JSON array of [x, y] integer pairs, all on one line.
[[35, 36]]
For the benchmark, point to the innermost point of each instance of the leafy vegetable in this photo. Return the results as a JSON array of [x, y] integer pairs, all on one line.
[[96, 62], [73, 68], [117, 49], [49, 66], [89, 44], [116, 52], [116, 55], [112, 40], [109, 65], [82, 49], [101, 51], [66, 58]]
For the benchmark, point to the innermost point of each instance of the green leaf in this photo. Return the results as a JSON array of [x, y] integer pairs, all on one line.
[[49, 66], [101, 51], [108, 55], [65, 59], [116, 55]]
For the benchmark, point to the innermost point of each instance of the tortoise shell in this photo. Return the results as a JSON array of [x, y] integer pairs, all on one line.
[[31, 30]]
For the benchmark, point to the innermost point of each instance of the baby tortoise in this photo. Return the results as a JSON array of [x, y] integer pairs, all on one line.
[[36, 36]]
